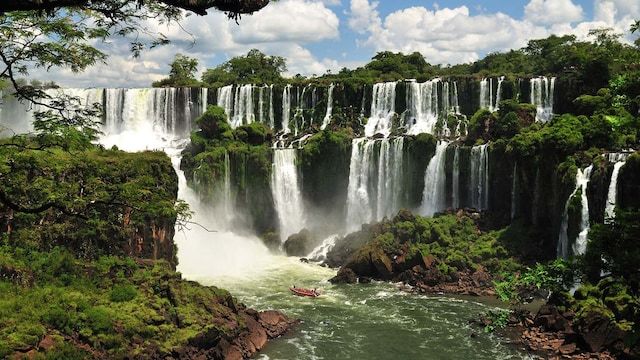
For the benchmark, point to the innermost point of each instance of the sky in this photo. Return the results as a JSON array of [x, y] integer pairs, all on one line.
[[316, 36]]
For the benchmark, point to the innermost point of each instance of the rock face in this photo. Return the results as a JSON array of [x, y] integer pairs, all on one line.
[[300, 244]]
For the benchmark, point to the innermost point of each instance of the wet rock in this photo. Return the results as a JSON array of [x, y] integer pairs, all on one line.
[[300, 244], [599, 332], [345, 276], [567, 349], [364, 280]]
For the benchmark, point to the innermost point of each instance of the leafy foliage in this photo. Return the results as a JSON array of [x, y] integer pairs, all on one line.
[[182, 73], [254, 68]]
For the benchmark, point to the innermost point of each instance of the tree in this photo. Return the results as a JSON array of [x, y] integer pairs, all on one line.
[[111, 7], [182, 73], [254, 68]]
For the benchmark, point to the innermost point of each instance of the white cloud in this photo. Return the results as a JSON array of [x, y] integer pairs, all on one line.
[[550, 12], [364, 16], [283, 28], [453, 35]]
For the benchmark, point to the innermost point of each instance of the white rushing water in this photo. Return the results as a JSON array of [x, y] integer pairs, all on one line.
[[542, 92], [618, 160], [383, 109], [286, 108], [287, 196], [434, 197], [224, 99], [455, 179], [580, 244], [243, 112], [422, 106], [375, 180], [487, 96], [327, 116], [479, 180]]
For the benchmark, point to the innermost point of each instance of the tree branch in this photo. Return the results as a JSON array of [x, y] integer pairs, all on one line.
[[199, 7]]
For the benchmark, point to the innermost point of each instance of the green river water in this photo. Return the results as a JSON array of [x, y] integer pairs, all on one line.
[[372, 321]]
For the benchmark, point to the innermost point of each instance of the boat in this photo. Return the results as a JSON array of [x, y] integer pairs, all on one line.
[[304, 292]]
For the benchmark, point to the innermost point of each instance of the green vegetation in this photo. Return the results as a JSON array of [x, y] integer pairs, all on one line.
[[182, 73], [115, 306], [245, 152], [254, 68]]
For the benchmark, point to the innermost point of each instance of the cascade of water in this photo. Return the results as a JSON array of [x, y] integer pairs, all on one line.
[[479, 182], [261, 104], [204, 100], [496, 106], [514, 193], [375, 180], [286, 108], [225, 100], [383, 105], [618, 159], [434, 197], [358, 203], [243, 106], [286, 192], [271, 111], [582, 181], [580, 246], [320, 253], [456, 105], [455, 188], [389, 184], [485, 94], [542, 92], [423, 106], [327, 116]]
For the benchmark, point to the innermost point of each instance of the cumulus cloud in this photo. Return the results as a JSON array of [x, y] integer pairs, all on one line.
[[454, 35], [551, 12], [283, 28]]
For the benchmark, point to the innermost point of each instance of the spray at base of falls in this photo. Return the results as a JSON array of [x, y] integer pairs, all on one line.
[[287, 196], [434, 197], [375, 180], [580, 244]]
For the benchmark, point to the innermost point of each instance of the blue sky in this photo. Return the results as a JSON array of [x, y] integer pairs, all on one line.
[[320, 35]]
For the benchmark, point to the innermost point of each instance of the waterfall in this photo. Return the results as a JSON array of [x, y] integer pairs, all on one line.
[[383, 107], [287, 196], [456, 105], [434, 197], [272, 121], [225, 100], [327, 117], [286, 108], [542, 92], [618, 159], [261, 104], [498, 94], [320, 253], [580, 245], [375, 180], [479, 183], [485, 94], [455, 188], [422, 106], [243, 106]]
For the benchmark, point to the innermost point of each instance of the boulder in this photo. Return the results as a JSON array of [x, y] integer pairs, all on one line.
[[300, 244], [552, 320], [382, 264], [599, 332], [345, 276]]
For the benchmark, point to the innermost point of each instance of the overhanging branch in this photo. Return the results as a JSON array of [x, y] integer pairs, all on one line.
[[199, 7]]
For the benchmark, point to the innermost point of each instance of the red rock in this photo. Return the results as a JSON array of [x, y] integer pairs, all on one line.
[[567, 349], [46, 343]]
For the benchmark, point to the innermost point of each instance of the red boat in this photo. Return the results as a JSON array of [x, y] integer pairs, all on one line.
[[304, 292]]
